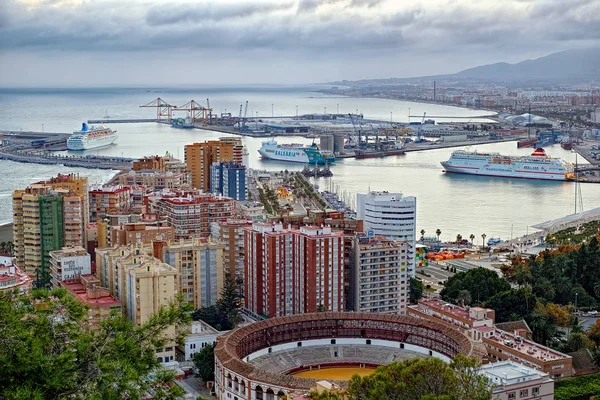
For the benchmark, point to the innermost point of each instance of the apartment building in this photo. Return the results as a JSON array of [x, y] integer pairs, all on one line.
[[199, 263], [379, 275], [228, 179], [293, 271], [12, 277], [512, 381], [392, 215], [138, 233], [156, 180], [106, 199], [478, 323], [230, 232], [200, 156], [45, 219], [191, 213], [68, 263], [100, 303]]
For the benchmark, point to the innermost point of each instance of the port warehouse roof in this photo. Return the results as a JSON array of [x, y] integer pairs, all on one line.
[[585, 216]]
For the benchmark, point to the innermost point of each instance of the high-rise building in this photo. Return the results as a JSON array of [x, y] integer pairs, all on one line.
[[156, 180], [139, 233], [392, 215], [200, 156], [108, 199], [69, 263], [293, 271], [46, 219], [199, 263], [228, 179], [230, 232], [379, 275], [191, 213]]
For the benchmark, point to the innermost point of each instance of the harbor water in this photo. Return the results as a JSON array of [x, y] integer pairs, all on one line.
[[455, 204]]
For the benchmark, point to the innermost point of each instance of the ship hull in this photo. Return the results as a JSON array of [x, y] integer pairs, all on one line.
[[86, 144], [298, 158], [508, 173], [379, 154]]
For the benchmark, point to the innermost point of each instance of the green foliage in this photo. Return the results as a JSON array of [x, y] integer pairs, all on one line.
[[225, 314], [47, 355], [204, 361], [511, 303], [416, 289], [417, 379], [578, 388], [574, 235], [481, 283]]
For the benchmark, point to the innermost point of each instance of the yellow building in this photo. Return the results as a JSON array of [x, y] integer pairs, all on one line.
[[200, 266], [200, 156]]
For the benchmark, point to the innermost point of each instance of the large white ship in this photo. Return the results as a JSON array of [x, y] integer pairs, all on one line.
[[296, 153], [91, 137], [536, 166]]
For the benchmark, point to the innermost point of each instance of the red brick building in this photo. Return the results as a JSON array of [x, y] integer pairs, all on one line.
[[289, 271]]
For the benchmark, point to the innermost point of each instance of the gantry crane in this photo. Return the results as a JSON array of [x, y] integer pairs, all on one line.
[[163, 109], [196, 112]]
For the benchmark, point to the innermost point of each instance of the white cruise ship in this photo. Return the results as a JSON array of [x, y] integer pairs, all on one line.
[[295, 153], [536, 166], [91, 137]]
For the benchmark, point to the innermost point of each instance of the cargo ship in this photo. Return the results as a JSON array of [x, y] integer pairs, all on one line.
[[91, 137], [527, 142], [394, 149], [536, 166], [182, 123], [296, 153]]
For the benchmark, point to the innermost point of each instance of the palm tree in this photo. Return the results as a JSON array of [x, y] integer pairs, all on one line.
[[438, 233], [483, 235], [576, 341], [597, 288], [514, 317], [472, 237], [458, 238], [464, 297], [422, 233]]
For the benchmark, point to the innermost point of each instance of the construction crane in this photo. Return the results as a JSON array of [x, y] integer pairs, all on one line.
[[163, 109], [419, 138]]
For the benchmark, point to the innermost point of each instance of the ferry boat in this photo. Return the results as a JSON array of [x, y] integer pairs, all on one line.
[[536, 166], [296, 153], [91, 137]]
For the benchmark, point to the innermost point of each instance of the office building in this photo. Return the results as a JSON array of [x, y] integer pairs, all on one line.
[[228, 179], [199, 264], [379, 275], [68, 263], [293, 271], [200, 156], [478, 324], [230, 232], [392, 215], [512, 381]]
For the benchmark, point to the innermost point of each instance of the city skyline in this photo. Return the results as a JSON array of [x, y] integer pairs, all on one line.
[[302, 41]]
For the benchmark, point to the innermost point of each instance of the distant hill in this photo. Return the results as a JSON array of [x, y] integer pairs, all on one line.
[[570, 65], [565, 66]]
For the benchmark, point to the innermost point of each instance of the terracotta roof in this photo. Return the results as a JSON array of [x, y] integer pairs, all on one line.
[[513, 326], [583, 362]]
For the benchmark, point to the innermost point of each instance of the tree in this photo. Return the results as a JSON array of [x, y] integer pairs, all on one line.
[[597, 288], [470, 383], [594, 332], [50, 356], [472, 237], [204, 361], [483, 236], [510, 302], [576, 341], [416, 289], [438, 232], [464, 298], [225, 314], [482, 283], [321, 308]]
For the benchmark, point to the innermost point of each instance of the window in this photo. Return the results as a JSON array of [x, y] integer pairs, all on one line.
[[535, 391], [332, 341], [512, 395], [299, 344], [524, 393]]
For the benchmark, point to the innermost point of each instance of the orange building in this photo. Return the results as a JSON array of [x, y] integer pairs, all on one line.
[[200, 156], [108, 199], [149, 163], [139, 233]]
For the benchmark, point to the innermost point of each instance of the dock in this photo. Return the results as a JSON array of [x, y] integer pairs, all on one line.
[[121, 121]]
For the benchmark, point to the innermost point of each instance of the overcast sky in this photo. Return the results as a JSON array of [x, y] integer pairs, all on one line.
[[161, 42]]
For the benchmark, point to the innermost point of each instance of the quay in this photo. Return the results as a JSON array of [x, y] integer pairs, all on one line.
[[121, 121], [89, 161]]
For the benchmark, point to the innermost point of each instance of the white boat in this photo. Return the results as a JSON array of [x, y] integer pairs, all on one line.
[[91, 137], [295, 153], [536, 166]]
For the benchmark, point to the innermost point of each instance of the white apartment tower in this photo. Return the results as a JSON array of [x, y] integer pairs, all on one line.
[[392, 215]]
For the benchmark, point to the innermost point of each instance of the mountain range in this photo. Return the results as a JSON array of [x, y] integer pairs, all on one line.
[[581, 65]]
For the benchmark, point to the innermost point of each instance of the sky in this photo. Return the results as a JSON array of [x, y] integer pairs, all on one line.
[[158, 42]]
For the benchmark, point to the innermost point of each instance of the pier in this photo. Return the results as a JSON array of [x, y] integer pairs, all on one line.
[[121, 121]]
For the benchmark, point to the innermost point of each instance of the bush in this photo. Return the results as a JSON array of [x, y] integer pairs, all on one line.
[[580, 388]]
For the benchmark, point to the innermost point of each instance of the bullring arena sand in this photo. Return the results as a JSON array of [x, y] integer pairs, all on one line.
[[335, 373]]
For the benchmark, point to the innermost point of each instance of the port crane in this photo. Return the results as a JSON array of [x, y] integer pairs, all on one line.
[[209, 111], [163, 109], [242, 120], [196, 112], [419, 138], [357, 131]]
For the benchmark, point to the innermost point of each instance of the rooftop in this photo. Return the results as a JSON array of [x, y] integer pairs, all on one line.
[[69, 252], [83, 294], [12, 276], [509, 372], [101, 189]]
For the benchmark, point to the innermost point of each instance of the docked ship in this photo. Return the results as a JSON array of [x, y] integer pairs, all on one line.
[[182, 123], [536, 166], [91, 137], [393, 149], [296, 153]]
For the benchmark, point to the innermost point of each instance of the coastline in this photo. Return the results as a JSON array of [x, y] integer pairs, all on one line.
[[6, 232]]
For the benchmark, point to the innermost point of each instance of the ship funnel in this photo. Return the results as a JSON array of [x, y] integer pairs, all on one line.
[[84, 127]]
